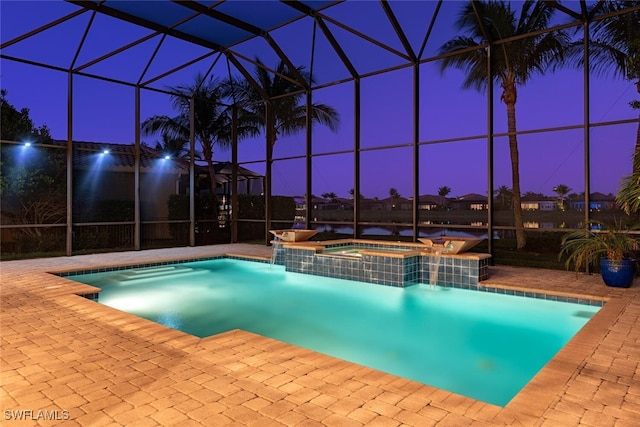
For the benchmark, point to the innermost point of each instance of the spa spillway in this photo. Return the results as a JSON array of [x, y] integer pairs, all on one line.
[[451, 245], [293, 235]]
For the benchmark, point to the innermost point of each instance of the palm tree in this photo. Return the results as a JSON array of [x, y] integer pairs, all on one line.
[[212, 122], [614, 48], [504, 196], [512, 64], [283, 112], [287, 113], [562, 190], [174, 147], [443, 192]]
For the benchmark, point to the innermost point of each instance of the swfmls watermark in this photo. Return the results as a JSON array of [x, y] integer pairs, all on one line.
[[35, 414]]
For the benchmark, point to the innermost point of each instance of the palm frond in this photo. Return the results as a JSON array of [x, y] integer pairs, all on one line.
[[614, 42], [284, 113], [519, 59], [583, 248]]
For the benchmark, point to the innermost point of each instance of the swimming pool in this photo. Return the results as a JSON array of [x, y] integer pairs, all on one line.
[[478, 344]]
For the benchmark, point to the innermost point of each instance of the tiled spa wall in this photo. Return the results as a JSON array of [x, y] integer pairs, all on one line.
[[462, 272]]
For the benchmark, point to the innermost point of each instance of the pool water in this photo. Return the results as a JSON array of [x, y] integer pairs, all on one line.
[[482, 345]]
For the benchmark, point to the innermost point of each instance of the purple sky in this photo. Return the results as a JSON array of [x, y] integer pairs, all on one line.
[[104, 112]]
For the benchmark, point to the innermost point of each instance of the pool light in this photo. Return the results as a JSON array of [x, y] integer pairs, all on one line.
[[105, 152]]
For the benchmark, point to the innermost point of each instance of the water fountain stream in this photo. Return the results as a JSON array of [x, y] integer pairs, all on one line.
[[274, 249], [434, 267]]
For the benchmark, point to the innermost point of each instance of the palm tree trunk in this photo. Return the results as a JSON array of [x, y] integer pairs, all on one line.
[[636, 152], [509, 96], [208, 155], [271, 140]]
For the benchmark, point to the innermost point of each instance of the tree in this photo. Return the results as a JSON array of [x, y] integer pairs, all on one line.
[[614, 48], [534, 195], [283, 113], [512, 64], [443, 192], [331, 195], [32, 182], [212, 122], [17, 125], [562, 190], [504, 197], [352, 193], [393, 192], [175, 147]]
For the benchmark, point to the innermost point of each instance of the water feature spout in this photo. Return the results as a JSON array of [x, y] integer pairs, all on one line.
[[451, 245], [434, 267], [293, 235], [276, 243]]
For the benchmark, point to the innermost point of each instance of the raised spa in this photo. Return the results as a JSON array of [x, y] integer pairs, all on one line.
[[387, 263]]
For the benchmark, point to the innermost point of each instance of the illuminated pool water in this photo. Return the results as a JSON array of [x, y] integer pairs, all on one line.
[[483, 345]]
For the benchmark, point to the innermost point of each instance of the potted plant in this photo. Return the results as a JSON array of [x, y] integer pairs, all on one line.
[[612, 248]]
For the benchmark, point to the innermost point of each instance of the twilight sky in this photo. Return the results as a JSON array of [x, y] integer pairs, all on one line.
[[104, 111]]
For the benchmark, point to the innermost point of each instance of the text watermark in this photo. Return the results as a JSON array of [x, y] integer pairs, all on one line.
[[36, 414]]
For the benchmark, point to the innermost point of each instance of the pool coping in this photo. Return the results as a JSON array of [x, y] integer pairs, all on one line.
[[520, 291], [538, 387], [547, 397]]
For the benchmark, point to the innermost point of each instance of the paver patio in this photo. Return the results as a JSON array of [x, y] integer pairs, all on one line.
[[68, 358]]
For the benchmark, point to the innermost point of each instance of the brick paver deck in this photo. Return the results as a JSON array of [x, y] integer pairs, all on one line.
[[66, 360]]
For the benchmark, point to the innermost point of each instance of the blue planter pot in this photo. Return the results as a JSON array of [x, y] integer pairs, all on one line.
[[618, 274]]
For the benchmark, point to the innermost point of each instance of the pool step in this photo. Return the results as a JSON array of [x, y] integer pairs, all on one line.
[[154, 272]]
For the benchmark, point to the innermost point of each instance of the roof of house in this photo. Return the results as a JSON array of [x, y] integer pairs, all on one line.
[[121, 157], [431, 198], [471, 197], [224, 172], [601, 197]]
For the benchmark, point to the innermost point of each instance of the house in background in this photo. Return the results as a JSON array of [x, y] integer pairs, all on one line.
[[536, 202], [372, 204], [106, 171], [430, 202], [397, 204], [333, 204], [469, 202], [598, 202]]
